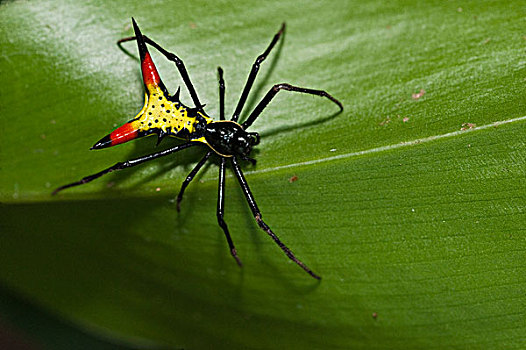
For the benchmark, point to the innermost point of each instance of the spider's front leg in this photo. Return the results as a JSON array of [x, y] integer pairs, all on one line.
[[284, 86], [257, 215]]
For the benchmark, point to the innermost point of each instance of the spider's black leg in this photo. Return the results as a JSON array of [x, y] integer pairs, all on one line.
[[257, 215], [277, 88], [253, 73], [175, 59], [221, 94], [190, 177], [221, 209], [124, 165], [222, 168]]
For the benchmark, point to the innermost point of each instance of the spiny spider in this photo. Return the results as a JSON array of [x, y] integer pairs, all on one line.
[[164, 115]]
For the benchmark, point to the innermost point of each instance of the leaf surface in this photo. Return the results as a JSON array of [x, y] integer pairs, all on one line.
[[410, 204]]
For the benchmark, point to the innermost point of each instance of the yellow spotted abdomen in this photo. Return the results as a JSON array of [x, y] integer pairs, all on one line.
[[170, 117]]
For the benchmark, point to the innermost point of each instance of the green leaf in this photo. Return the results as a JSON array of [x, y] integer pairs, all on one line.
[[412, 209]]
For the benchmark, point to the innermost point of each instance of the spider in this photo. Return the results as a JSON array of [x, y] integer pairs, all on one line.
[[165, 115]]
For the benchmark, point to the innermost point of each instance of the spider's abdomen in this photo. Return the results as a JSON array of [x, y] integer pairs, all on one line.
[[162, 116]]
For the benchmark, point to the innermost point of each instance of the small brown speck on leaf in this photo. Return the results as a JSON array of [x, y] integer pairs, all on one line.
[[293, 179], [375, 315], [386, 121], [418, 94], [466, 126]]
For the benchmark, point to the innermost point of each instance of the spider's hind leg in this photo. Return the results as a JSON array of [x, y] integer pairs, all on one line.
[[171, 57], [124, 165]]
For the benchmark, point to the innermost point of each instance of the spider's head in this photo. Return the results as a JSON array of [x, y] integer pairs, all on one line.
[[229, 139]]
